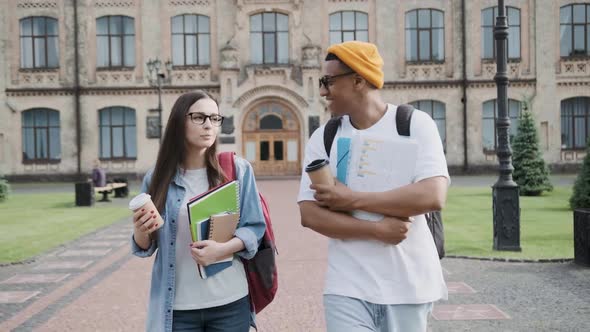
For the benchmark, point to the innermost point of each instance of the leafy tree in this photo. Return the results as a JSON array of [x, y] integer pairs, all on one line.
[[530, 171], [581, 195], [4, 189]]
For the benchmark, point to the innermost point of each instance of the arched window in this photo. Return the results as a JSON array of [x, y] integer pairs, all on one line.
[[118, 139], [575, 122], [115, 41], [270, 122], [436, 110], [39, 42], [489, 118], [347, 26], [574, 30], [41, 135], [425, 35], [269, 38], [191, 40], [488, 22]]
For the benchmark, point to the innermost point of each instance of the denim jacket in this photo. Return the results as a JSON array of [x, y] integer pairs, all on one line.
[[251, 228]]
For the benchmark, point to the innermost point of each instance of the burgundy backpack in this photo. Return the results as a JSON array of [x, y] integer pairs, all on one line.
[[261, 270]]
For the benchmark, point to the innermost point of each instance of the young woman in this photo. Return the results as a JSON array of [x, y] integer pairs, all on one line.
[[187, 166]]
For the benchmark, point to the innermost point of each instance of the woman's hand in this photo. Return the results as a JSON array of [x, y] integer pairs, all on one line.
[[208, 252], [145, 221]]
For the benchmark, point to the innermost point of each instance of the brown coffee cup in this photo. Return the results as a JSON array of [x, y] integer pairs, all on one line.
[[144, 201], [319, 172]]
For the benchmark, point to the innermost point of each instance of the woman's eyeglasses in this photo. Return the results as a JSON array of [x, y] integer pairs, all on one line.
[[200, 118], [326, 80]]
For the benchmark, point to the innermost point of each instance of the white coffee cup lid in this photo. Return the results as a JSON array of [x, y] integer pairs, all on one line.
[[138, 201]]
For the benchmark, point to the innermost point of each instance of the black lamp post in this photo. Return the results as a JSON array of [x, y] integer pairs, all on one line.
[[157, 78], [506, 204]]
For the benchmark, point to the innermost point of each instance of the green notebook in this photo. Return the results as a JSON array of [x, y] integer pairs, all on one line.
[[221, 199]]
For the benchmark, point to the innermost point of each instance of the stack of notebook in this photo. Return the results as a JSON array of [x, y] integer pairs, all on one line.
[[214, 215]]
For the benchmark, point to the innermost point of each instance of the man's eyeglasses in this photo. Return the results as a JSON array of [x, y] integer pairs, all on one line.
[[326, 80], [200, 118]]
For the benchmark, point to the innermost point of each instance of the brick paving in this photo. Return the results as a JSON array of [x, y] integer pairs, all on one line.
[[94, 284]]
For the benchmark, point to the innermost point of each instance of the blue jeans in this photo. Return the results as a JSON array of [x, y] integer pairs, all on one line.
[[232, 317], [354, 315]]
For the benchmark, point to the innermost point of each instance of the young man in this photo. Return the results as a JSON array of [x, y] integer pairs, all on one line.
[[383, 274]]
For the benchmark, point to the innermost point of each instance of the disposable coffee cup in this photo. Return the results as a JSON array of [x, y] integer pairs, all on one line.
[[144, 201], [319, 172]]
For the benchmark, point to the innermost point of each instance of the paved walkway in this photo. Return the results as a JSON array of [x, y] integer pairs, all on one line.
[[94, 284]]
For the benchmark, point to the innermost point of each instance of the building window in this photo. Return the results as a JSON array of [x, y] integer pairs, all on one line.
[[488, 22], [41, 136], [39, 42], [117, 133], [489, 118], [436, 110], [574, 30], [347, 26], [269, 38], [425, 35], [575, 122], [191, 40], [115, 42]]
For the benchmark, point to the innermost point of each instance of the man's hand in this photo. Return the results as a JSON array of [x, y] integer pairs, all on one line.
[[393, 230], [208, 252], [337, 197]]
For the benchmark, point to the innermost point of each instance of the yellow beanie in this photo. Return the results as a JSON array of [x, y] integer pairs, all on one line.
[[361, 57]]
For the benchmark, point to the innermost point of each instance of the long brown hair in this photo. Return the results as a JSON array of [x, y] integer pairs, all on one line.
[[172, 152]]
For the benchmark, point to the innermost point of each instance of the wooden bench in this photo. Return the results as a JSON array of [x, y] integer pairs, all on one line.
[[106, 190]]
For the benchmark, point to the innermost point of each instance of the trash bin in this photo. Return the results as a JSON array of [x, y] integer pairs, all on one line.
[[582, 236], [84, 194], [124, 191]]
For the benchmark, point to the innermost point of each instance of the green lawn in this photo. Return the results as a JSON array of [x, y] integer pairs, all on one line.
[[34, 223], [546, 224]]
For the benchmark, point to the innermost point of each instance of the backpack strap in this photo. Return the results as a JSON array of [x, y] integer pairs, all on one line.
[[226, 161], [330, 132], [403, 117]]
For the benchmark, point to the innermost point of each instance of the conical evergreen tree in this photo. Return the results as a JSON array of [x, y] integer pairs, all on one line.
[[581, 195], [530, 171]]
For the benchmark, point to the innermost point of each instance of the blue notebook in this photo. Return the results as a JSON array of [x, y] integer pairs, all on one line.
[[343, 155], [210, 270], [221, 199]]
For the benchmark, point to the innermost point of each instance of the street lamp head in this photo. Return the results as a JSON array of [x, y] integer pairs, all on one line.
[[157, 64], [169, 66]]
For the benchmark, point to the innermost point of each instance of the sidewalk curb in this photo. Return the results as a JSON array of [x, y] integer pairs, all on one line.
[[514, 260]]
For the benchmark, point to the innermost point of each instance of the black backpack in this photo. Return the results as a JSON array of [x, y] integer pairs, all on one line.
[[403, 117]]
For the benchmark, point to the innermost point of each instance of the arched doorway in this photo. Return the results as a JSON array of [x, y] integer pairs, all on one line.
[[271, 139]]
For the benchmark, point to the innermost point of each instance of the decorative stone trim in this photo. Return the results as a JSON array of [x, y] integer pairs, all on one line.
[[45, 77], [424, 72], [270, 90], [513, 70], [409, 85], [113, 3], [192, 3], [573, 155], [250, 2], [30, 4], [114, 77], [574, 67], [119, 91], [191, 76]]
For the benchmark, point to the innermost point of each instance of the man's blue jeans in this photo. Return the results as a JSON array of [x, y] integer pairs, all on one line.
[[354, 315], [233, 316]]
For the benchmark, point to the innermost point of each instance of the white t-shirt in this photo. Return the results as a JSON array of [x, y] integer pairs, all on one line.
[[192, 292], [370, 270]]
